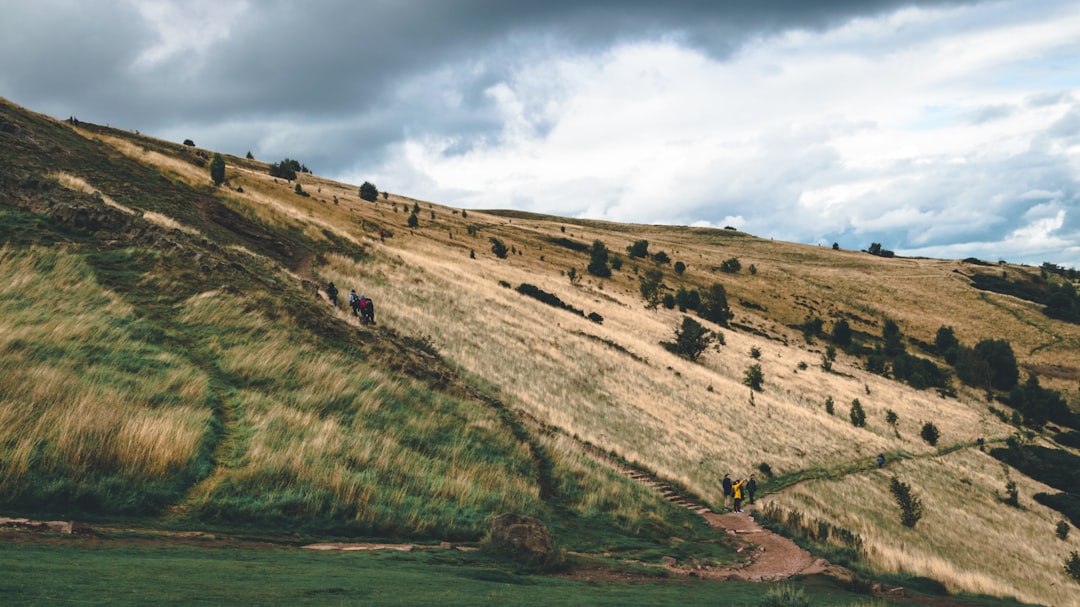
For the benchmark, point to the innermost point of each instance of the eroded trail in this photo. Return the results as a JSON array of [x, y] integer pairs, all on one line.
[[770, 557]]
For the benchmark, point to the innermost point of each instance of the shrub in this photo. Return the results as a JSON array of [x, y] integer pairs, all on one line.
[[691, 339], [189, 143], [714, 305], [1062, 530], [286, 169], [930, 433], [841, 333], [414, 221], [661, 258], [1012, 494], [858, 416], [730, 266], [498, 248], [765, 469], [680, 267], [369, 192], [754, 377], [596, 318], [548, 298], [651, 285], [892, 419], [669, 301], [217, 169], [640, 248], [755, 352], [598, 261], [911, 509], [998, 354], [1072, 566], [830, 405], [784, 595]]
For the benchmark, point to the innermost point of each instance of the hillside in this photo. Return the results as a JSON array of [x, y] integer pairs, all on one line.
[[164, 354]]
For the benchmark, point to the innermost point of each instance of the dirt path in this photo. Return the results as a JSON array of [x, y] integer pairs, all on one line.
[[770, 557]]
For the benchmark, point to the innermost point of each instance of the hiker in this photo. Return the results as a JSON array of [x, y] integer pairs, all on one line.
[[737, 491], [726, 484], [354, 303], [331, 292], [751, 488], [881, 460], [367, 311]]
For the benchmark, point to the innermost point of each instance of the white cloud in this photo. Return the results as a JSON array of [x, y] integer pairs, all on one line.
[[866, 129]]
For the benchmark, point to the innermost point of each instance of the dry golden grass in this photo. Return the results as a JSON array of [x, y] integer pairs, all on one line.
[[967, 537], [615, 386], [63, 411]]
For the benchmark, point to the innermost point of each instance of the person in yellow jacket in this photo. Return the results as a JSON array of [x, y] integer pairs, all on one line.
[[737, 489]]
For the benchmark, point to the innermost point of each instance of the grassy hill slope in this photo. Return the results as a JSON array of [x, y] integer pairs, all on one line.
[[164, 354]]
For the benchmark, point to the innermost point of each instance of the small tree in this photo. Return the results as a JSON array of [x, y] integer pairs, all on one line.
[[250, 156], [754, 377], [651, 284], [598, 260], [930, 433], [679, 267], [911, 509], [892, 419], [691, 339], [498, 248], [369, 192], [828, 358], [755, 352], [858, 416], [714, 305], [830, 405], [415, 221], [573, 275], [217, 169], [1062, 530]]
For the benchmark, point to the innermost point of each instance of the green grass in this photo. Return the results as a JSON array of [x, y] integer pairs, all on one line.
[[128, 573]]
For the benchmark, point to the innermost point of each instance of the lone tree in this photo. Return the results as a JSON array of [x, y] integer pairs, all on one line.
[[754, 377], [691, 339], [217, 169], [369, 192], [911, 509]]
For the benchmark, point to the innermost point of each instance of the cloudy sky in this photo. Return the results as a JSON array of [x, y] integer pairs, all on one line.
[[944, 129]]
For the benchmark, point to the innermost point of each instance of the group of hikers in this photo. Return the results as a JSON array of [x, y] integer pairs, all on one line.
[[362, 306], [737, 490]]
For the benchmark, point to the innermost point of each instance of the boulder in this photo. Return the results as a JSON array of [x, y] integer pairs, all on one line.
[[521, 537]]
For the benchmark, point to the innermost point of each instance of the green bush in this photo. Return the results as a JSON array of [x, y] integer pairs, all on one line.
[[858, 416], [691, 340], [498, 248], [754, 377], [930, 433], [217, 169], [369, 192], [1062, 530], [911, 509], [598, 260], [1072, 566]]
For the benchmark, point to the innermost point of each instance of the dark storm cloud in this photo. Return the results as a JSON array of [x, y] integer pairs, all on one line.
[[342, 61]]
